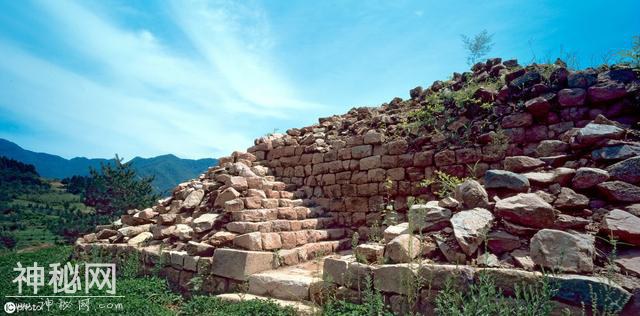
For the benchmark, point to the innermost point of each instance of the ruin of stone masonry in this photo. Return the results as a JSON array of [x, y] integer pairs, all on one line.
[[551, 168]]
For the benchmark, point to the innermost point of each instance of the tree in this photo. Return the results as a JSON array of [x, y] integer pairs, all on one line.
[[632, 55], [116, 188], [477, 46]]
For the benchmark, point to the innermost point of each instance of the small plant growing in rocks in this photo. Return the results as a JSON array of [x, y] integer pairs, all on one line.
[[445, 182]]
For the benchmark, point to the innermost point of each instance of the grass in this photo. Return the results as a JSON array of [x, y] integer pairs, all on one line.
[[148, 295]]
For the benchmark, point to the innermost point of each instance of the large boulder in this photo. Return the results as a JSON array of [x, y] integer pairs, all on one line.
[[501, 179], [394, 231], [588, 177], [204, 222], [619, 191], [193, 199], [622, 225], [240, 264], [471, 227], [522, 163], [500, 242], [556, 249], [140, 239], [472, 194], [526, 209], [402, 249], [593, 133], [429, 216], [227, 195], [570, 200], [616, 152], [626, 170]]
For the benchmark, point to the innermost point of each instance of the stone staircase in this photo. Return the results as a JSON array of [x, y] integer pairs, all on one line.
[[299, 286]]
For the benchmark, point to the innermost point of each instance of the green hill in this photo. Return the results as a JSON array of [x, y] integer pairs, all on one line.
[[34, 210], [168, 170]]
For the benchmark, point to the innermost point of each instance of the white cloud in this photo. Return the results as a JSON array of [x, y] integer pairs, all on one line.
[[142, 97]]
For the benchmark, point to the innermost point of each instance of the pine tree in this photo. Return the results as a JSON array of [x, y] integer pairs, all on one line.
[[116, 188]]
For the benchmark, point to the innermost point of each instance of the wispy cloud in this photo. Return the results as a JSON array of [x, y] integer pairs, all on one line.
[[144, 97]]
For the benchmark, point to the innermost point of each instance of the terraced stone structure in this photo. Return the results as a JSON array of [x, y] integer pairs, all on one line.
[[547, 160]]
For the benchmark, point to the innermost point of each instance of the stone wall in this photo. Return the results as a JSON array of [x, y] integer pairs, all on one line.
[[350, 164]]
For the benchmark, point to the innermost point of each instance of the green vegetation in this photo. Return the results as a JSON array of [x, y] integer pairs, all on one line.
[[444, 182], [632, 55], [477, 46], [35, 211], [485, 298], [146, 295], [114, 189]]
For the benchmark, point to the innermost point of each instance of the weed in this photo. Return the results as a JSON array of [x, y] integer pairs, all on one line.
[[446, 183]]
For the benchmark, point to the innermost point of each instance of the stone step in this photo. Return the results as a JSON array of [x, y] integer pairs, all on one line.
[[268, 214], [287, 239], [303, 309], [280, 225], [239, 264], [302, 282]]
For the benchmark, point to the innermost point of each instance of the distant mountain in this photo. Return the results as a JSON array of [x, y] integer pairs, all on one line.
[[168, 170]]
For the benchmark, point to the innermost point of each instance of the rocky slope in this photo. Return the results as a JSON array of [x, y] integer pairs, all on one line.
[[504, 166]]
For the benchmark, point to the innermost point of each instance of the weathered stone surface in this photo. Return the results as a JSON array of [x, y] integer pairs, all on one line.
[[402, 249], [370, 252], [517, 120], [522, 163], [226, 195], [538, 107], [487, 260], [106, 233], [579, 289], [334, 269], [131, 231], [564, 251], [285, 284], [589, 177], [472, 194], [451, 249], [501, 179], [250, 241], [526, 209], [271, 241], [622, 225], [204, 222], [572, 97], [617, 152], [570, 200], [606, 91], [523, 259], [239, 264], [140, 239], [593, 133], [437, 275], [182, 232], [394, 231], [471, 227], [629, 261], [551, 148], [193, 199], [199, 249], [449, 202], [619, 191], [429, 216], [627, 170], [394, 277], [500, 242], [564, 221]]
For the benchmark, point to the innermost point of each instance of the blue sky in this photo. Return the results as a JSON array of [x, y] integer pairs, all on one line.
[[202, 78]]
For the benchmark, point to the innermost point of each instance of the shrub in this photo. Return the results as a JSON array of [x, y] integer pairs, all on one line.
[[477, 46]]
